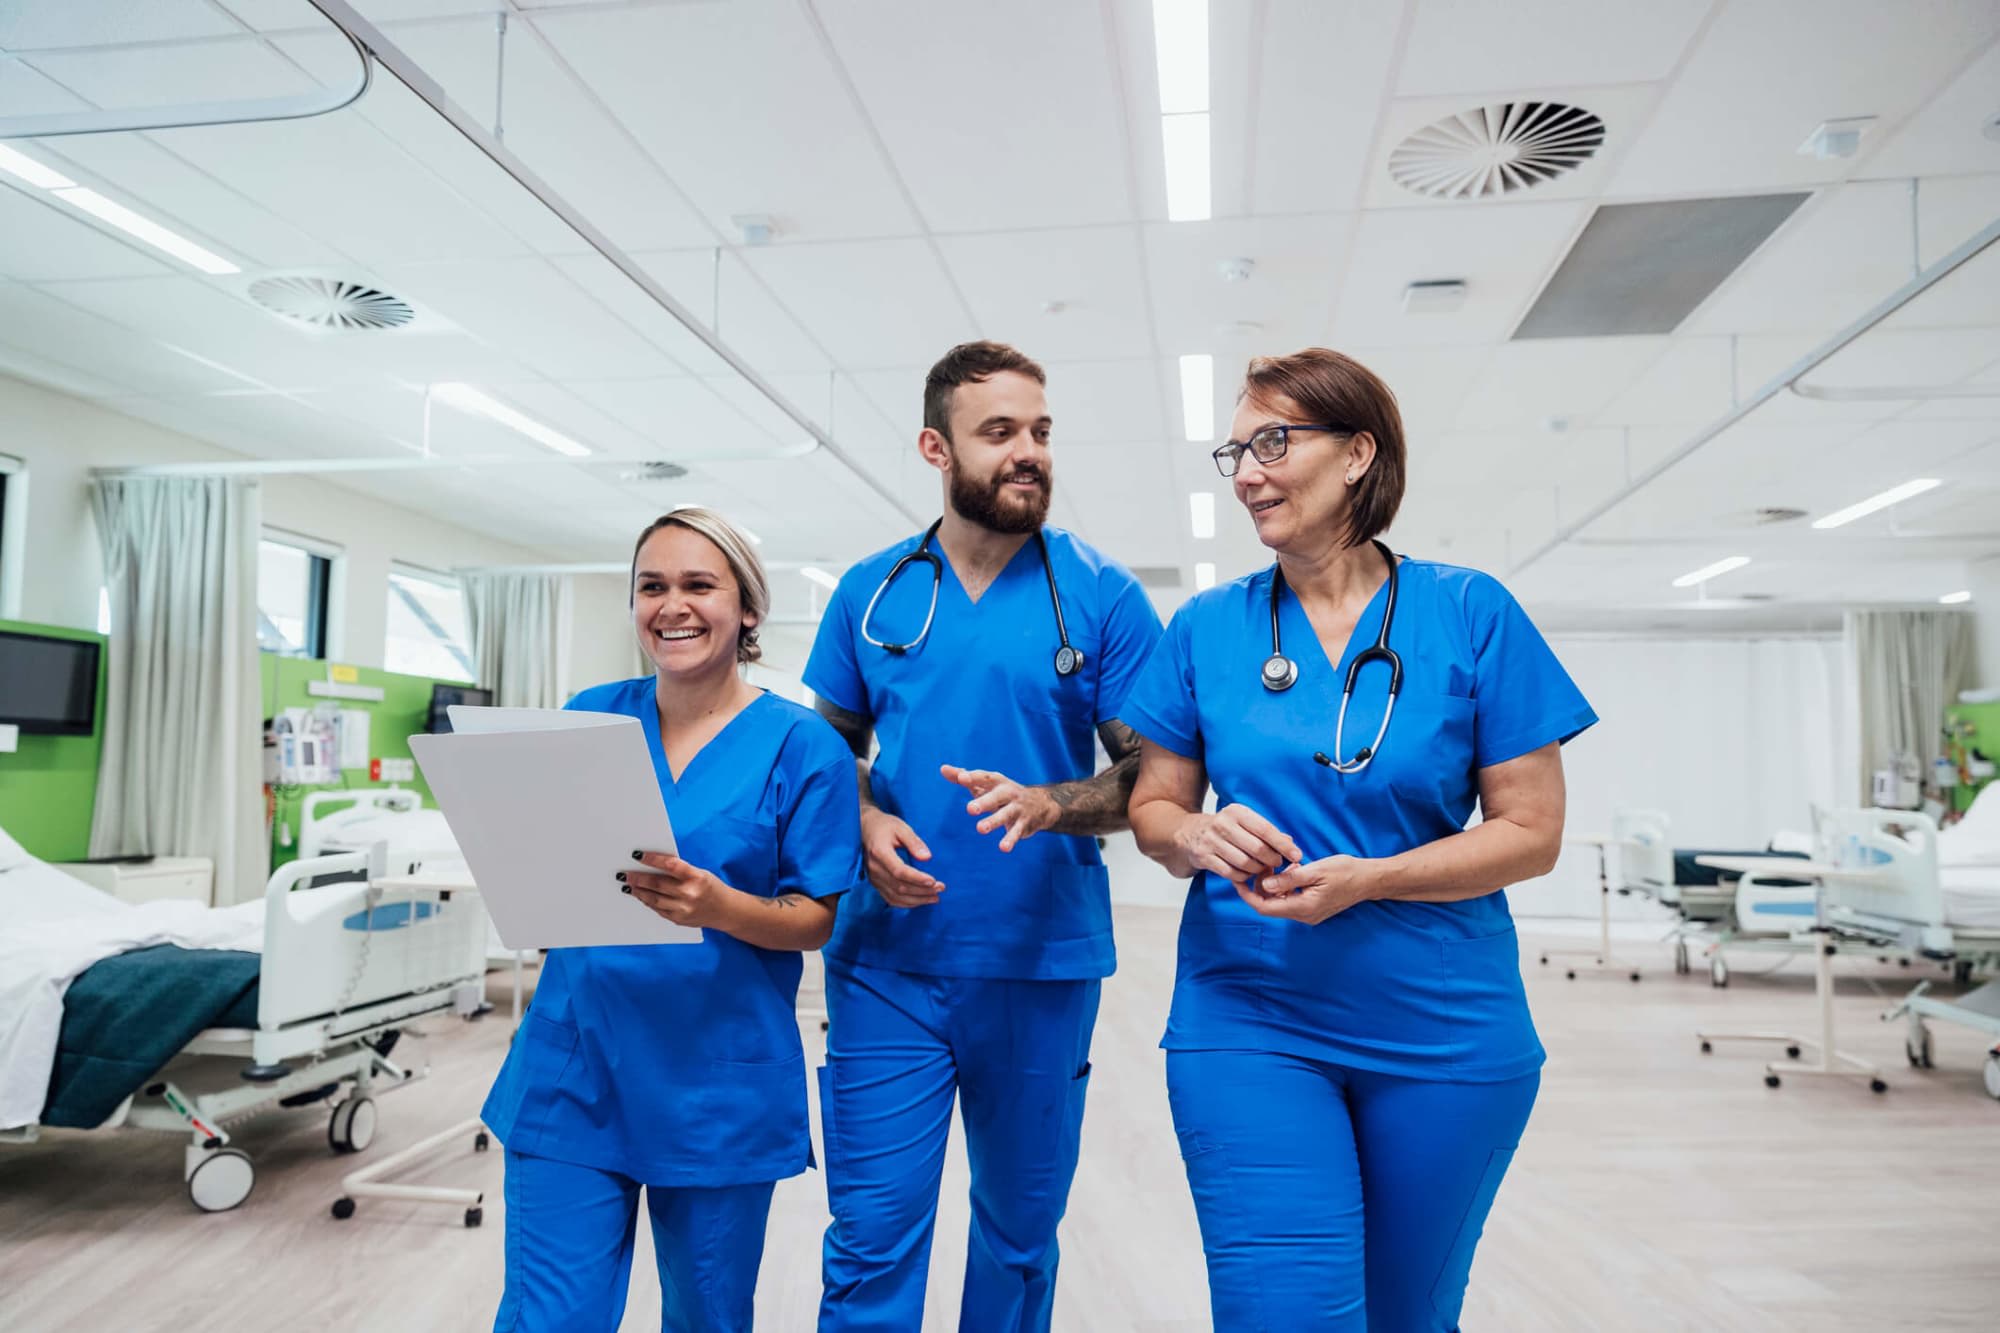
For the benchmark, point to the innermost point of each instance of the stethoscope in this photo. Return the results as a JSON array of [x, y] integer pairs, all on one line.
[[1280, 672], [1069, 660]]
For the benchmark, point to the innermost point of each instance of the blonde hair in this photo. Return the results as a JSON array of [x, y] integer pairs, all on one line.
[[753, 587]]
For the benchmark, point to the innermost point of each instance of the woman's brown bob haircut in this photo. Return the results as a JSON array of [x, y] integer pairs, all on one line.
[[1334, 390]]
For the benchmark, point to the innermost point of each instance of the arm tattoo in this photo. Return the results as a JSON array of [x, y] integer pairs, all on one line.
[[1097, 804], [858, 730], [786, 900]]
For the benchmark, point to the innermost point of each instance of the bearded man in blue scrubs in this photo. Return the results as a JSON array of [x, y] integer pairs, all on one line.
[[982, 654]]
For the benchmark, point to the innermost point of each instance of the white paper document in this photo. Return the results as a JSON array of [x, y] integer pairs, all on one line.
[[547, 806]]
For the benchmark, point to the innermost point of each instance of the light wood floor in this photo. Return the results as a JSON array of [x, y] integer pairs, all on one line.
[[1657, 1188]]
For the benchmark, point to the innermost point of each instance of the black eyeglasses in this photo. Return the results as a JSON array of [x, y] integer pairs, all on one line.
[[1266, 446]]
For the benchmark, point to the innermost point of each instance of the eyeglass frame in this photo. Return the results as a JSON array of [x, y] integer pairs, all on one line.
[[1235, 449]]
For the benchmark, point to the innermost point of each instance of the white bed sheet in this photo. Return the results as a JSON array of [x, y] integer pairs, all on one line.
[[1971, 896], [52, 933]]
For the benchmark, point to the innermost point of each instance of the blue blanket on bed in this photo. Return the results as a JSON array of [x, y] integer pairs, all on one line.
[[126, 1017], [1690, 874]]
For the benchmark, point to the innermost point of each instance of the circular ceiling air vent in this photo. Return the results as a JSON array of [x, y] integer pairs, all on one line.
[[1496, 150], [331, 303]]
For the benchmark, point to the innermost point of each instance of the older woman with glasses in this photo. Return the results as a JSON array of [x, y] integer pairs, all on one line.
[[1350, 1059]]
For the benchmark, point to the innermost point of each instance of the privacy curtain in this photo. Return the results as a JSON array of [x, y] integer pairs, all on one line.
[[182, 767], [1909, 667], [518, 624]]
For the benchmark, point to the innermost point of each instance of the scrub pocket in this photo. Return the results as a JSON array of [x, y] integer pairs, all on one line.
[[1489, 1024], [1448, 1292]]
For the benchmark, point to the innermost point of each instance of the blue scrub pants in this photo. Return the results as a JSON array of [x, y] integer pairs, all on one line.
[[899, 1047], [569, 1249], [1334, 1199]]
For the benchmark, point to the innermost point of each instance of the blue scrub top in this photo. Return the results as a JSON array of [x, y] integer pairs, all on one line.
[[680, 1064], [981, 691], [1423, 990]]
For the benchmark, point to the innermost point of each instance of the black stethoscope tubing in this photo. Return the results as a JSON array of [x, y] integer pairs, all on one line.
[[1069, 660], [1280, 673]]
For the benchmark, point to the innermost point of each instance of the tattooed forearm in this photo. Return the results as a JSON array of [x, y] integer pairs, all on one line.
[[858, 730], [787, 900], [1096, 805]]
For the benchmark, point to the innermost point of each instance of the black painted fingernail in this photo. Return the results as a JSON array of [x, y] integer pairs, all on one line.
[[624, 888], [638, 856], [620, 877]]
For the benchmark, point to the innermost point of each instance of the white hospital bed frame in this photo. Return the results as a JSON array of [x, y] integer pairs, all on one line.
[[343, 967]]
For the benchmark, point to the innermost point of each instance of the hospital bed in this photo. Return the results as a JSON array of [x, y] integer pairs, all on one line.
[[1959, 910], [341, 971], [1718, 910]]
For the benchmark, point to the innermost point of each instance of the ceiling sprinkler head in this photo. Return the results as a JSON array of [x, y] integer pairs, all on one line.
[[1235, 270]]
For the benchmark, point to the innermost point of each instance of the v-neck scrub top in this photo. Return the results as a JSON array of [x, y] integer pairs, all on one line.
[[1424, 990], [680, 1064], [981, 691]]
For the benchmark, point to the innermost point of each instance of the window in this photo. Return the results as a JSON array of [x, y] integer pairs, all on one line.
[[427, 630], [292, 598]]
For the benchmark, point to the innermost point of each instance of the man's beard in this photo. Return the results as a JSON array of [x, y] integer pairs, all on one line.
[[993, 505]]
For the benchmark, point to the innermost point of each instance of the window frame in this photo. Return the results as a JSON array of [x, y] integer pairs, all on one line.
[[323, 563], [438, 578]]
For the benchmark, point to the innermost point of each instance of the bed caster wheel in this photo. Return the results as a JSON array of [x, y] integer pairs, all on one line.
[[1718, 971], [343, 1208], [1992, 1075], [1707, 1048], [1792, 1051], [1902, 962], [1918, 1049], [351, 1128], [1571, 974], [221, 1181], [1877, 1085], [482, 1141], [1635, 976], [1545, 960], [474, 1216], [1771, 1080]]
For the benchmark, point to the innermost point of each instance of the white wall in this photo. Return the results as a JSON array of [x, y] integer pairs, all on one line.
[[1983, 581], [1733, 738], [61, 439]]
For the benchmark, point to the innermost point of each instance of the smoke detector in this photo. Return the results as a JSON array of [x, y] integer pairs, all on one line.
[[331, 303], [1235, 270], [1496, 150]]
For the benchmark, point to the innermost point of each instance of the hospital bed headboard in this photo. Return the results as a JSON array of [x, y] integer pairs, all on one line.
[[312, 835], [1903, 845], [1646, 853]]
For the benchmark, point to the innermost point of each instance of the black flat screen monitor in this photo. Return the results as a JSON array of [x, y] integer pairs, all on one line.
[[48, 687], [444, 696]]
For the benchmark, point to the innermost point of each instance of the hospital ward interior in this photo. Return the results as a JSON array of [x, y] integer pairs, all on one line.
[[729, 603]]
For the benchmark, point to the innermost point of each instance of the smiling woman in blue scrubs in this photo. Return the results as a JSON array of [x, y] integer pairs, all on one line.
[[1350, 1060], [678, 1067]]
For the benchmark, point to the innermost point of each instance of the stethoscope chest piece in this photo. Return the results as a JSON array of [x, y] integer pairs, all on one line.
[[1280, 673], [1068, 661]]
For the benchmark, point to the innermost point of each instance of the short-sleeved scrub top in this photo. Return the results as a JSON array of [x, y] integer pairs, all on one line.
[[981, 691], [1429, 990], [680, 1064]]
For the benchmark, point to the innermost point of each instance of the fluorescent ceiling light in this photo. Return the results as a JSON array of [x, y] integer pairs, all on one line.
[[145, 229], [31, 171], [1201, 511], [1707, 572], [1180, 44], [1954, 598], [1198, 396], [1894, 495], [819, 576], [466, 398], [1204, 575], [1185, 139]]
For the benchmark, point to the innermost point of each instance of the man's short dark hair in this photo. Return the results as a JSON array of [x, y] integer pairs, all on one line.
[[969, 363]]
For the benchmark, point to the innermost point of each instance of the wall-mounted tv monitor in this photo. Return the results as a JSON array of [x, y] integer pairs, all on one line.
[[444, 696], [48, 687]]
